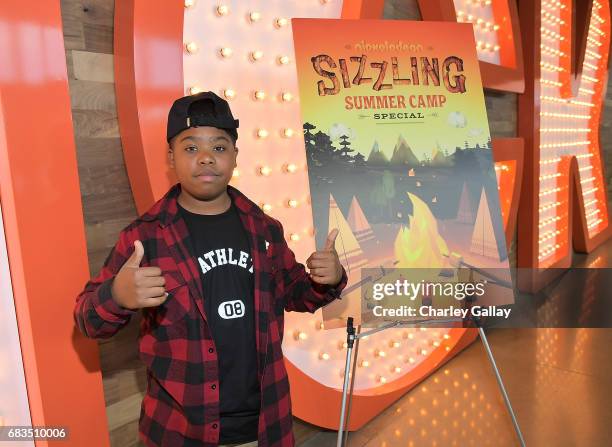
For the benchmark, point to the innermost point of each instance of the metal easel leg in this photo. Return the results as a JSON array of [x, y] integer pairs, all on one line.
[[350, 340], [485, 342], [352, 385]]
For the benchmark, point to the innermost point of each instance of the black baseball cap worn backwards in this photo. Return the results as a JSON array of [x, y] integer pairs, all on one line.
[[202, 109]]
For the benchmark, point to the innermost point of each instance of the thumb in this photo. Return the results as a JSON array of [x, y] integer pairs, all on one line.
[[330, 243], [136, 258]]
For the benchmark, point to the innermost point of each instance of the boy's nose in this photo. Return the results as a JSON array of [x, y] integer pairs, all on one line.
[[206, 159]]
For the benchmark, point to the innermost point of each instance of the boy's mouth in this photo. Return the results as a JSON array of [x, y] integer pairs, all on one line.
[[207, 175]]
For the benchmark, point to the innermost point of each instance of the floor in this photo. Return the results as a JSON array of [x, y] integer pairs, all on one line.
[[559, 382]]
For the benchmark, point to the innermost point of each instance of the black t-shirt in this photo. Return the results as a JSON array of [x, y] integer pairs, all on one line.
[[221, 249]]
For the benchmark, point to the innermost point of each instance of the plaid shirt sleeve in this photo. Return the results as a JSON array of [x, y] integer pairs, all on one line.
[[96, 313], [302, 294]]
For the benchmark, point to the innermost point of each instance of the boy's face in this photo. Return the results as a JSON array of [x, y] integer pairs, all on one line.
[[204, 159]]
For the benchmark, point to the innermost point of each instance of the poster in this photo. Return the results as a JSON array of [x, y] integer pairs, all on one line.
[[398, 148]]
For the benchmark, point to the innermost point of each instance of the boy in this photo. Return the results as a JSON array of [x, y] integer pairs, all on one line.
[[213, 276]]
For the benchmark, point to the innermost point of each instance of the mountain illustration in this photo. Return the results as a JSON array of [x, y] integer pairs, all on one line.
[[403, 155], [376, 157]]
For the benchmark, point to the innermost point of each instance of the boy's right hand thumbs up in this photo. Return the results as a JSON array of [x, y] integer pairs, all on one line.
[[135, 287], [136, 258]]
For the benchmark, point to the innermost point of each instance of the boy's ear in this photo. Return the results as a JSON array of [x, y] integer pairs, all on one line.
[[171, 156]]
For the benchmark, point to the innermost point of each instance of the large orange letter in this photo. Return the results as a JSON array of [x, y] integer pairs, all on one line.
[[559, 117]]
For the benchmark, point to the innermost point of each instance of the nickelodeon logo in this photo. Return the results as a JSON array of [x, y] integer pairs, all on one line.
[[388, 46]]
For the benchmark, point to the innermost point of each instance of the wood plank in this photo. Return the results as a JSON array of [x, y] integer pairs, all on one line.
[[98, 38], [125, 411], [126, 436], [103, 236], [98, 12], [95, 124], [402, 10], [90, 95], [96, 152], [90, 66], [72, 23], [106, 194]]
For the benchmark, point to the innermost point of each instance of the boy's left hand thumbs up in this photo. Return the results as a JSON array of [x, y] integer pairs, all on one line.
[[324, 264], [330, 243]]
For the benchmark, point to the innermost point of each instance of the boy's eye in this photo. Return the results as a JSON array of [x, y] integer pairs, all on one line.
[[219, 148], [191, 148]]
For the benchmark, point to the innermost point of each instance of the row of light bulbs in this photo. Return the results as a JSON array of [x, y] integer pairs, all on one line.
[[256, 95], [289, 168], [223, 10], [227, 52]]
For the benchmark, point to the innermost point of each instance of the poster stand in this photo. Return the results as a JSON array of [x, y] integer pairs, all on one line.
[[347, 390]]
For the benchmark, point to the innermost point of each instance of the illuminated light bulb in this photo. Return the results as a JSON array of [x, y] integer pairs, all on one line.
[[222, 10], [236, 173], [259, 95], [189, 3], [364, 363], [229, 93], [446, 336], [288, 132], [254, 17], [280, 22], [265, 171], [283, 60], [294, 237], [292, 203], [286, 96], [320, 325], [324, 356], [191, 47], [195, 90], [290, 168], [226, 52], [382, 379], [256, 55], [380, 353], [262, 133], [342, 345], [394, 344], [423, 352], [299, 335], [410, 336], [396, 369], [266, 207]]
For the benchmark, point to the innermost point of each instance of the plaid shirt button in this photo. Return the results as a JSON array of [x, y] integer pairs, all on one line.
[[215, 426], [213, 386], [211, 350]]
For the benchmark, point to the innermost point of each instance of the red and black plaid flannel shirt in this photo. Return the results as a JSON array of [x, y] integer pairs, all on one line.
[[181, 405]]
